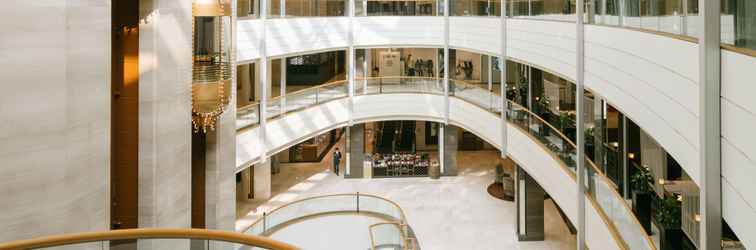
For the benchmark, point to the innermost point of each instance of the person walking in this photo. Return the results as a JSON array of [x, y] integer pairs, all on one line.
[[336, 160]]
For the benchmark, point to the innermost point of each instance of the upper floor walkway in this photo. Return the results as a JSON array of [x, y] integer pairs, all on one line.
[[652, 77]]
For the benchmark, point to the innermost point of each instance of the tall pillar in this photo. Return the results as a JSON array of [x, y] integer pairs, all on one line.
[[355, 151], [261, 180], [446, 62], [579, 121], [165, 129], [710, 130], [450, 143], [529, 200], [282, 90]]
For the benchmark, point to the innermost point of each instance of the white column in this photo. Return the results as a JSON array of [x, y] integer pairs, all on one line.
[[446, 64], [710, 125], [350, 62], [264, 78], [441, 164], [282, 90], [580, 124], [503, 81], [282, 9], [367, 69]]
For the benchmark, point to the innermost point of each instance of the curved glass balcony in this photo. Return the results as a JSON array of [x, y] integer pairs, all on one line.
[[392, 234], [602, 192]]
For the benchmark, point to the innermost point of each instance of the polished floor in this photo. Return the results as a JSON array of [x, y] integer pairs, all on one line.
[[449, 213]]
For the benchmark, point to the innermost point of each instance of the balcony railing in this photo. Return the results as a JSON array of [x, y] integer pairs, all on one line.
[[159, 238], [602, 192]]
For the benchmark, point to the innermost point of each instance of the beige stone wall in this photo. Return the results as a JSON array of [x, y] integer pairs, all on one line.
[[55, 125]]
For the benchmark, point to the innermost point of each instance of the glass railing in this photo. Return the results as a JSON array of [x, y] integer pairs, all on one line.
[[153, 238], [475, 7], [603, 191], [679, 17], [398, 84], [391, 236], [249, 115], [307, 8], [326, 204], [396, 7]]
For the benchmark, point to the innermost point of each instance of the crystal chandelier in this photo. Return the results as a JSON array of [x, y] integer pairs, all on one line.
[[211, 64]]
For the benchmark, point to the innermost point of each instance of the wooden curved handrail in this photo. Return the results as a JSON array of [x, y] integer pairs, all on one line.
[[148, 233]]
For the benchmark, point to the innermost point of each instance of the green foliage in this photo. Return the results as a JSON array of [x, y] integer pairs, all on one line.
[[668, 212], [642, 180], [499, 173]]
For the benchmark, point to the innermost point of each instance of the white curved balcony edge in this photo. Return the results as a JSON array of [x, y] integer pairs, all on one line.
[[651, 78], [301, 125]]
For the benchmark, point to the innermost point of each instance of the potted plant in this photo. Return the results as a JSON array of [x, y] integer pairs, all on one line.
[[667, 217], [503, 186], [642, 197]]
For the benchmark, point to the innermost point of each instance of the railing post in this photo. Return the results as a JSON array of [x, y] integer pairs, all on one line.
[[358, 202], [265, 222], [317, 91]]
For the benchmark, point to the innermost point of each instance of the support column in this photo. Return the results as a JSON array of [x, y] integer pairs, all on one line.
[[165, 130], [710, 130], [449, 144], [351, 67], [355, 151], [503, 82], [625, 163], [580, 123], [263, 77], [529, 200], [367, 69], [599, 110], [261, 180], [282, 92], [446, 63]]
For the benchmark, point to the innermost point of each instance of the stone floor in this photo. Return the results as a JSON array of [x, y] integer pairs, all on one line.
[[448, 213]]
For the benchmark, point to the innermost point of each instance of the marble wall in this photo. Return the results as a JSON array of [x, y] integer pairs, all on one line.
[[165, 64], [55, 122]]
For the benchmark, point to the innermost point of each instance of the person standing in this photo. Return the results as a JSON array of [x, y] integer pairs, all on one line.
[[336, 160]]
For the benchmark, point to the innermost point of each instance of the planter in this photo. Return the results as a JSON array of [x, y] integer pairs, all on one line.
[[642, 208]]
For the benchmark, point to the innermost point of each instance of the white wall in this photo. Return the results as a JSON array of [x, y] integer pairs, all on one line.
[[55, 122], [301, 125], [309, 33], [481, 34], [739, 144]]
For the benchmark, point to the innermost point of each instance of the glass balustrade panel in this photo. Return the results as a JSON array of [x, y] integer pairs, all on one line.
[[248, 116], [387, 236]]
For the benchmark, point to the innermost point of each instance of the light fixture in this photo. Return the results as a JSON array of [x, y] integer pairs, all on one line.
[[697, 217], [615, 144], [211, 64], [679, 198], [631, 155], [662, 181]]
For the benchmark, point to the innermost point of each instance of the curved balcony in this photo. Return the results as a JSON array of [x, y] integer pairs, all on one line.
[[394, 232], [601, 192], [161, 238]]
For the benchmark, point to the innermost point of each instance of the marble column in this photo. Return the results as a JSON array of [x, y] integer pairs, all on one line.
[[450, 144], [529, 198], [220, 166], [261, 182], [165, 65], [355, 151], [55, 105]]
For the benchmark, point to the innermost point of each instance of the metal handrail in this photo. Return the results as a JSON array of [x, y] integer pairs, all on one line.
[[147, 233], [407, 243], [262, 219]]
